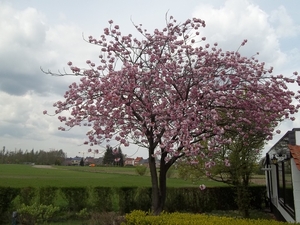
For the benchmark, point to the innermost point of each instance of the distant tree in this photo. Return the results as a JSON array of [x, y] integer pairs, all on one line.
[[164, 90], [118, 157], [81, 162], [108, 158], [234, 164]]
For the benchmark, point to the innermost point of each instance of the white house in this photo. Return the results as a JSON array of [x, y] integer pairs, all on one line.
[[282, 169]]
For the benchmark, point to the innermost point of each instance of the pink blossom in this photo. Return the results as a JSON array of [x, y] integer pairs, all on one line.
[[202, 187]]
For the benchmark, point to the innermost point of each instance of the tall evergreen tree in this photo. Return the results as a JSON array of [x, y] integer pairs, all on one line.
[[108, 158], [118, 157], [81, 162]]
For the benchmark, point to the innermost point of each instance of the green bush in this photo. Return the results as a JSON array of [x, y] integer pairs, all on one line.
[[143, 218], [141, 170], [76, 197], [170, 172], [35, 213]]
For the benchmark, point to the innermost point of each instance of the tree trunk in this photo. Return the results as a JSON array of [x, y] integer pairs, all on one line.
[[156, 200], [159, 185]]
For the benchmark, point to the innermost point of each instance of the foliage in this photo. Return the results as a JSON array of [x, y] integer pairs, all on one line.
[[141, 169], [47, 195], [165, 92], [142, 198], [27, 195], [142, 218], [40, 157], [234, 164], [35, 213], [83, 214], [171, 172], [113, 156], [76, 197], [7, 195], [103, 198], [81, 162], [190, 200], [126, 199], [108, 158]]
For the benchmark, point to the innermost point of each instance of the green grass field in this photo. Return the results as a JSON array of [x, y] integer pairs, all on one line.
[[15, 175]]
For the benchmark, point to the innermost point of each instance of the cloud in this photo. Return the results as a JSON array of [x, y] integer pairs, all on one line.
[[284, 24], [28, 44], [237, 20]]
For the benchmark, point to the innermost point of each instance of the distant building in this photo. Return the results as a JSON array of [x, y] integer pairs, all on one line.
[[138, 161], [129, 162], [76, 161]]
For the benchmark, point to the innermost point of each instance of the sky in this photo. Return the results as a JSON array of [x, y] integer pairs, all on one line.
[[37, 34]]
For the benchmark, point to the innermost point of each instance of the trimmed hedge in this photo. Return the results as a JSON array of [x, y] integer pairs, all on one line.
[[47, 195], [76, 197], [127, 199], [217, 198], [103, 199], [7, 195]]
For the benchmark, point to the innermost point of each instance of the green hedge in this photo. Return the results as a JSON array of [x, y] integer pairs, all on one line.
[[103, 199], [7, 195], [127, 199], [217, 198], [47, 195], [76, 197]]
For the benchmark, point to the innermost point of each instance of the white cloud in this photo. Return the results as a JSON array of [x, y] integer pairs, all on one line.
[[237, 20], [285, 26]]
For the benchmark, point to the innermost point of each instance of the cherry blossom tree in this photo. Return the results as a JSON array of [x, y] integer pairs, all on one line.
[[165, 90]]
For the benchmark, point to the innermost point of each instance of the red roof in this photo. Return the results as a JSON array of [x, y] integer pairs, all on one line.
[[295, 151]]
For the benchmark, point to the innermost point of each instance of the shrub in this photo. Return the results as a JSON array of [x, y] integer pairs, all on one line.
[[83, 214], [35, 213], [142, 218], [170, 172], [141, 170]]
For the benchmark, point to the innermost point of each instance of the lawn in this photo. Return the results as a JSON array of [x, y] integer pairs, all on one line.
[[15, 175]]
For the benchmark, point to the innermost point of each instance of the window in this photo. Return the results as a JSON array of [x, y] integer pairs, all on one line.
[[285, 187]]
